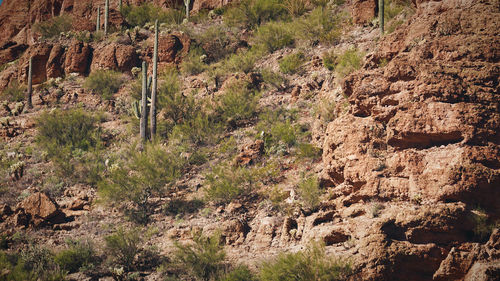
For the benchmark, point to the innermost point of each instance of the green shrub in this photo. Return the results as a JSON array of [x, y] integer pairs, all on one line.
[[54, 26], [330, 60], [240, 273], [203, 259], [274, 36], [307, 150], [224, 183], [321, 25], [148, 13], [275, 79], [310, 265], [242, 61], [291, 63], [295, 7], [252, 13], [71, 140], [200, 129], [12, 268], [140, 175], [276, 130], [122, 246], [238, 103], [104, 82], [325, 110], [193, 64], [483, 227], [310, 192], [217, 41], [78, 254], [15, 92], [181, 206], [39, 261], [348, 62]]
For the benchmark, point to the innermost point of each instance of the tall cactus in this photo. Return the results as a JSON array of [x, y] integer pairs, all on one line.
[[98, 24], [381, 15], [144, 102], [186, 3], [106, 16], [30, 83], [154, 86], [120, 5]]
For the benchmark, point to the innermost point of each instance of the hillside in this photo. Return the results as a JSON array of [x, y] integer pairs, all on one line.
[[294, 141]]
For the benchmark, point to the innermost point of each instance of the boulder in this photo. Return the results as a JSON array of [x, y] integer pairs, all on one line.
[[363, 11], [40, 209], [249, 153], [115, 57], [55, 63], [78, 57]]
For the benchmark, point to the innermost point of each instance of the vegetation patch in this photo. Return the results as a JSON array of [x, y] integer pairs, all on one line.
[[104, 82], [54, 26], [292, 63]]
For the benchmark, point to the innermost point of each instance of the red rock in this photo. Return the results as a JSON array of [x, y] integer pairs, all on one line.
[[40, 208], [363, 11], [10, 51], [249, 153], [171, 48], [77, 58], [55, 63], [116, 57]]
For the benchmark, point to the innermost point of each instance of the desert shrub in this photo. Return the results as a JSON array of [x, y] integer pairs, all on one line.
[[275, 128], [275, 79], [54, 26], [13, 268], [310, 192], [348, 62], [224, 183], [217, 41], [147, 12], [202, 128], [104, 82], [252, 13], [483, 226], [394, 8], [310, 265], [139, 175], [375, 209], [239, 273], [321, 25], [291, 63], [202, 259], [308, 151], [330, 60], [181, 206], [39, 261], [274, 36], [14, 92], [122, 246], [193, 64], [242, 61], [295, 7], [77, 255], [325, 109], [238, 103]]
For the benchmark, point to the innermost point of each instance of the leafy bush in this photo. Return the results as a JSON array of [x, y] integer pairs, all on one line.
[[104, 82], [348, 62], [77, 255], [290, 64], [330, 60], [309, 190], [193, 64], [252, 13], [274, 36], [295, 7], [138, 176], [180, 206], [15, 92], [325, 110], [240, 273], [122, 246], [54, 26], [310, 265], [203, 259], [483, 227], [217, 41], [225, 183], [147, 12], [200, 129], [321, 25], [237, 103], [274, 79], [307, 150], [33, 264], [242, 61], [276, 129]]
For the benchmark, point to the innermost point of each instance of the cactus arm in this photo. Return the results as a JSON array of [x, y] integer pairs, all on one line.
[[106, 16], [98, 23], [381, 15], [30, 83], [144, 120], [155, 83]]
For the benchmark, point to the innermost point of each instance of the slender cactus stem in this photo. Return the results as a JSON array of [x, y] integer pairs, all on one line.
[[98, 24], [381, 15], [144, 101], [30, 83], [106, 17], [154, 86]]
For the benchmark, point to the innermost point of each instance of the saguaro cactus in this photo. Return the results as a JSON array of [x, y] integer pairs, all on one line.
[[30, 83], [186, 3], [144, 102], [98, 24], [106, 16], [154, 86], [120, 5], [381, 15]]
